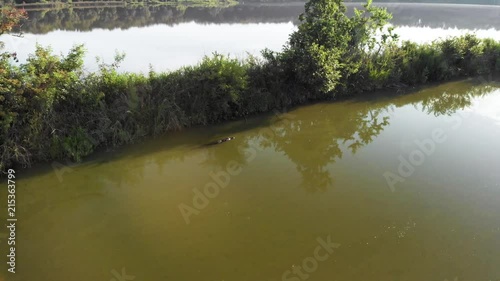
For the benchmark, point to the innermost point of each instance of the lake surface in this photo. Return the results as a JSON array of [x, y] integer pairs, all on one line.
[[168, 38], [383, 187], [289, 184]]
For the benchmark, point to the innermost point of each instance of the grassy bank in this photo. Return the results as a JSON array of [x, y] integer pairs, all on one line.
[[51, 109]]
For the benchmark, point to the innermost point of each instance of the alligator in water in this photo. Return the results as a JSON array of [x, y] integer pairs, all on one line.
[[219, 141]]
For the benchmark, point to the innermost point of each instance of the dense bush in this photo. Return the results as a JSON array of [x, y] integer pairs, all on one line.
[[328, 47], [51, 109]]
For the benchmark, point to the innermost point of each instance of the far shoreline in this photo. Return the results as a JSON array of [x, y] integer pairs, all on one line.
[[99, 4]]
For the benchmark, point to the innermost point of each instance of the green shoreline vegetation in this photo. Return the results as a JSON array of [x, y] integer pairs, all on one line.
[[51, 109]]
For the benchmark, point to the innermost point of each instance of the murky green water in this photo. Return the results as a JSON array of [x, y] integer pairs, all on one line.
[[288, 185]]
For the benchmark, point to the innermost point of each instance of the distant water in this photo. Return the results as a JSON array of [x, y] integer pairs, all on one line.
[[167, 38]]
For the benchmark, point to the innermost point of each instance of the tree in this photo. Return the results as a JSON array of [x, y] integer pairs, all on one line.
[[10, 17], [328, 46]]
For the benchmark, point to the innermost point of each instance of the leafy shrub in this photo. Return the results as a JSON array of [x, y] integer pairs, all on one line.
[[328, 47], [210, 92]]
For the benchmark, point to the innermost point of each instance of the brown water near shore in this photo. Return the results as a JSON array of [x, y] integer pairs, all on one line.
[[264, 205]]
